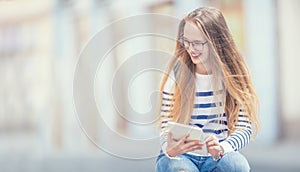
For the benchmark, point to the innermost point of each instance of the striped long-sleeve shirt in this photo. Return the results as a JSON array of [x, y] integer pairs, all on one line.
[[206, 114]]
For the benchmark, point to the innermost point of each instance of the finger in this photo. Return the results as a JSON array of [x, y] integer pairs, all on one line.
[[192, 144], [212, 143], [213, 148], [170, 137], [194, 141], [185, 149], [184, 138], [211, 138], [196, 147]]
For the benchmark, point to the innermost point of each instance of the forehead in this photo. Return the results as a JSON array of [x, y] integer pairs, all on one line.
[[192, 33]]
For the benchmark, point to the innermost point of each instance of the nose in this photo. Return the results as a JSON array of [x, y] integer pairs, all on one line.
[[191, 47]]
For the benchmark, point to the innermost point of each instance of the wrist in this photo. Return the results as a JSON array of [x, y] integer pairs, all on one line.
[[171, 157], [169, 154], [219, 154]]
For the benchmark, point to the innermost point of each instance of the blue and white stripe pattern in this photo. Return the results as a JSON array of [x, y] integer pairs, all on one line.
[[208, 114]]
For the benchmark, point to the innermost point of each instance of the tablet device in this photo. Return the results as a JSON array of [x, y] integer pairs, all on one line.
[[179, 130], [196, 133]]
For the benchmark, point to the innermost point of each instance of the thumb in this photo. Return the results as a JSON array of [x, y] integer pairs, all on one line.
[[184, 138], [169, 137], [210, 138]]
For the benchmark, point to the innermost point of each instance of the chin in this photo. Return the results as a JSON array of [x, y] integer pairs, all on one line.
[[196, 61]]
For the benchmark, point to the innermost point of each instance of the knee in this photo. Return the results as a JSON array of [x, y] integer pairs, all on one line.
[[165, 164], [234, 162]]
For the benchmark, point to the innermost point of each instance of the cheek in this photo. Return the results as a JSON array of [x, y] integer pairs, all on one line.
[[207, 53], [207, 50], [188, 53]]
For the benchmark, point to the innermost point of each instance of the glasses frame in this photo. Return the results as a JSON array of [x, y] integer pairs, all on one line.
[[183, 40]]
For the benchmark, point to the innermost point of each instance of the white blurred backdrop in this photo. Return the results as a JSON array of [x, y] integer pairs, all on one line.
[[40, 45]]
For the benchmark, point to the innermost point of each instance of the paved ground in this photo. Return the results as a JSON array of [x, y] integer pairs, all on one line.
[[282, 157]]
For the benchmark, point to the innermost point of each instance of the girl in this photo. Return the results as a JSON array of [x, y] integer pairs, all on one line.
[[207, 85]]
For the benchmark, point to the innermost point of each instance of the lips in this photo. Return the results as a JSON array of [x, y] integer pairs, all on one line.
[[195, 54]]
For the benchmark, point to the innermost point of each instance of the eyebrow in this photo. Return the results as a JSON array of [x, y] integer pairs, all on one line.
[[193, 40]]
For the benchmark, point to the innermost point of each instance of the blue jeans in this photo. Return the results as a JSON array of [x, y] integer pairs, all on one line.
[[230, 162]]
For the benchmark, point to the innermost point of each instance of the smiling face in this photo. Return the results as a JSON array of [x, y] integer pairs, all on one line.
[[199, 56]]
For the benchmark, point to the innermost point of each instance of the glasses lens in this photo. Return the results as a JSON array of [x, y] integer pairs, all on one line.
[[186, 43], [198, 46]]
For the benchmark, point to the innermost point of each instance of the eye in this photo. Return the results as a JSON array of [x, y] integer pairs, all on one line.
[[198, 43]]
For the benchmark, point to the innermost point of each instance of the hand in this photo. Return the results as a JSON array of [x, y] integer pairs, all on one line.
[[213, 146], [175, 148]]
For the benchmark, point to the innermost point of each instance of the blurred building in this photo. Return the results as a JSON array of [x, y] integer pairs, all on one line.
[[41, 44]]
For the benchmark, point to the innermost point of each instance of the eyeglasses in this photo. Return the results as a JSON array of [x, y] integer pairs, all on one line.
[[197, 45]]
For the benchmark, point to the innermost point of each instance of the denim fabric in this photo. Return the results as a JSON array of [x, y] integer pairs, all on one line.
[[230, 162]]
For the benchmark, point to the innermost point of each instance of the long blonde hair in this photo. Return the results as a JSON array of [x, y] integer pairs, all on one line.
[[226, 62]]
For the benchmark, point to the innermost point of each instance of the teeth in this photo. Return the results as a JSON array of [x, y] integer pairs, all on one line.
[[195, 55]]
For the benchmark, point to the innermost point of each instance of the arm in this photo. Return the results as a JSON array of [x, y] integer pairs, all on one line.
[[241, 137], [169, 146], [165, 115], [166, 109], [236, 140]]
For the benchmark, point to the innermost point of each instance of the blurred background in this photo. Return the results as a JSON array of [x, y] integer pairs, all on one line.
[[40, 44]]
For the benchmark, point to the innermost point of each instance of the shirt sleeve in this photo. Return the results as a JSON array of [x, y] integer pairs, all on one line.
[[166, 109], [241, 137]]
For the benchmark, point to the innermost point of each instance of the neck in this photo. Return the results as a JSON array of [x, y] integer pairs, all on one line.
[[203, 70]]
